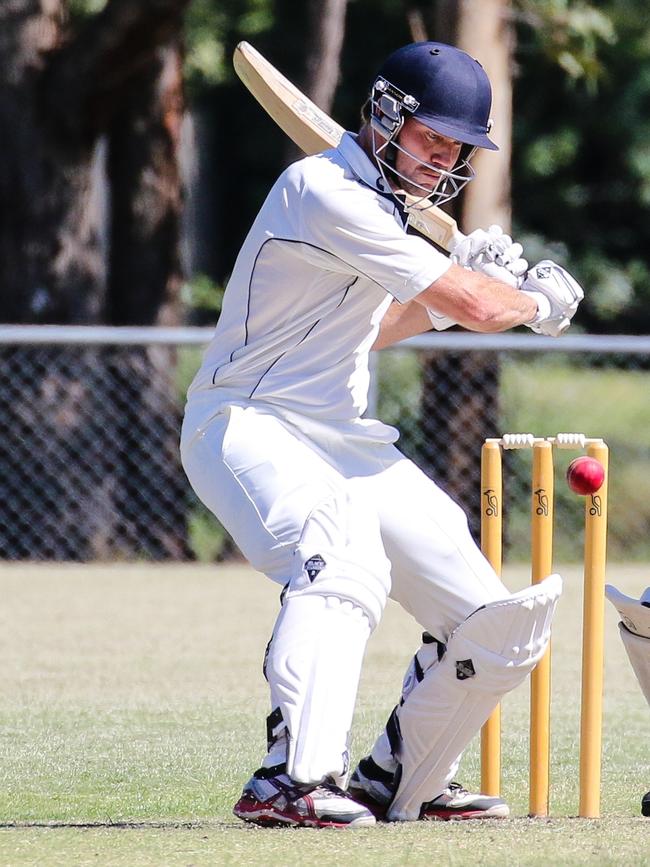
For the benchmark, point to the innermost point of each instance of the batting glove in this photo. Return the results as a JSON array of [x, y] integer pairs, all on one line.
[[556, 294], [493, 253]]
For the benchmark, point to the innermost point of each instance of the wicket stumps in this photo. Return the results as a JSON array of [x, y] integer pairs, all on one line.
[[542, 500]]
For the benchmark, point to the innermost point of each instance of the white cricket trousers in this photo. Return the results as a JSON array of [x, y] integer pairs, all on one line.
[[262, 477]]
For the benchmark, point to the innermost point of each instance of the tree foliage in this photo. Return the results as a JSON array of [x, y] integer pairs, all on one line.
[[569, 34], [581, 161], [581, 172]]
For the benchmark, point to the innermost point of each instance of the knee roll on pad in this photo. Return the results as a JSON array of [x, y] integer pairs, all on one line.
[[498, 645], [340, 553], [313, 667], [487, 655]]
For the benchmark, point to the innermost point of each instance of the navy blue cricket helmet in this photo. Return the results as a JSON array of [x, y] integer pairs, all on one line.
[[440, 85]]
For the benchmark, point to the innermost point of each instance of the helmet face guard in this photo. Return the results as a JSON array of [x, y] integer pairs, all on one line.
[[444, 89]]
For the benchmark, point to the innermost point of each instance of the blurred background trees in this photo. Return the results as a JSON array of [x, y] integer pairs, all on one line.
[[90, 215], [89, 186], [113, 110], [581, 173], [580, 188]]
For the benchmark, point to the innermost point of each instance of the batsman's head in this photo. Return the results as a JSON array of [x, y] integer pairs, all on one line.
[[430, 93]]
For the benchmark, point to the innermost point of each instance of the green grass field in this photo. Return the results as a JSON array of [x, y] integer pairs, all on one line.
[[132, 709]]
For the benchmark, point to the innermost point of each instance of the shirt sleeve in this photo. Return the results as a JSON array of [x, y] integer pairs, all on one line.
[[354, 230]]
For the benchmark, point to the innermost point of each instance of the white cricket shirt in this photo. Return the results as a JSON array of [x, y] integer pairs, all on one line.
[[320, 266]]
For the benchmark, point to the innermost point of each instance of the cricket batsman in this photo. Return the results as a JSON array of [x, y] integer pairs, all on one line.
[[634, 629], [320, 499]]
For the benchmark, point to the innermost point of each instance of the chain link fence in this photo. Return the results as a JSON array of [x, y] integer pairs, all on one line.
[[90, 420]]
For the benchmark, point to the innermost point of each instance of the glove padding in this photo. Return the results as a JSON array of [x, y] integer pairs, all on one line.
[[556, 294], [492, 253]]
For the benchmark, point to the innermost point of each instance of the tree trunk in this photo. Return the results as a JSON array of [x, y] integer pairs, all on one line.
[[144, 283], [143, 173], [459, 410], [65, 90], [63, 87], [485, 31], [460, 404], [51, 265], [323, 45]]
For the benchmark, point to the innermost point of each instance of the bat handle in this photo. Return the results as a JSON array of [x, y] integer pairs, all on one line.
[[456, 238], [491, 269], [498, 272]]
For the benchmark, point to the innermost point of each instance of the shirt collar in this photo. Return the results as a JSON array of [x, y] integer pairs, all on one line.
[[360, 163]]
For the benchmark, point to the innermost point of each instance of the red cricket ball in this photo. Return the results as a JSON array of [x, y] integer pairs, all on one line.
[[585, 475]]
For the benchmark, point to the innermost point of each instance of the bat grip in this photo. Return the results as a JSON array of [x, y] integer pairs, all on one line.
[[498, 272], [491, 269]]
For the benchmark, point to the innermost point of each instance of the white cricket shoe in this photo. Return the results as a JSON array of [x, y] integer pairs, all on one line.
[[457, 803], [270, 798], [374, 787]]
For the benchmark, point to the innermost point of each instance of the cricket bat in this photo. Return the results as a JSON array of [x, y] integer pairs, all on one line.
[[314, 131]]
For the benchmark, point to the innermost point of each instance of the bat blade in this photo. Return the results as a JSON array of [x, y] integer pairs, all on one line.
[[300, 118], [433, 223], [313, 131]]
